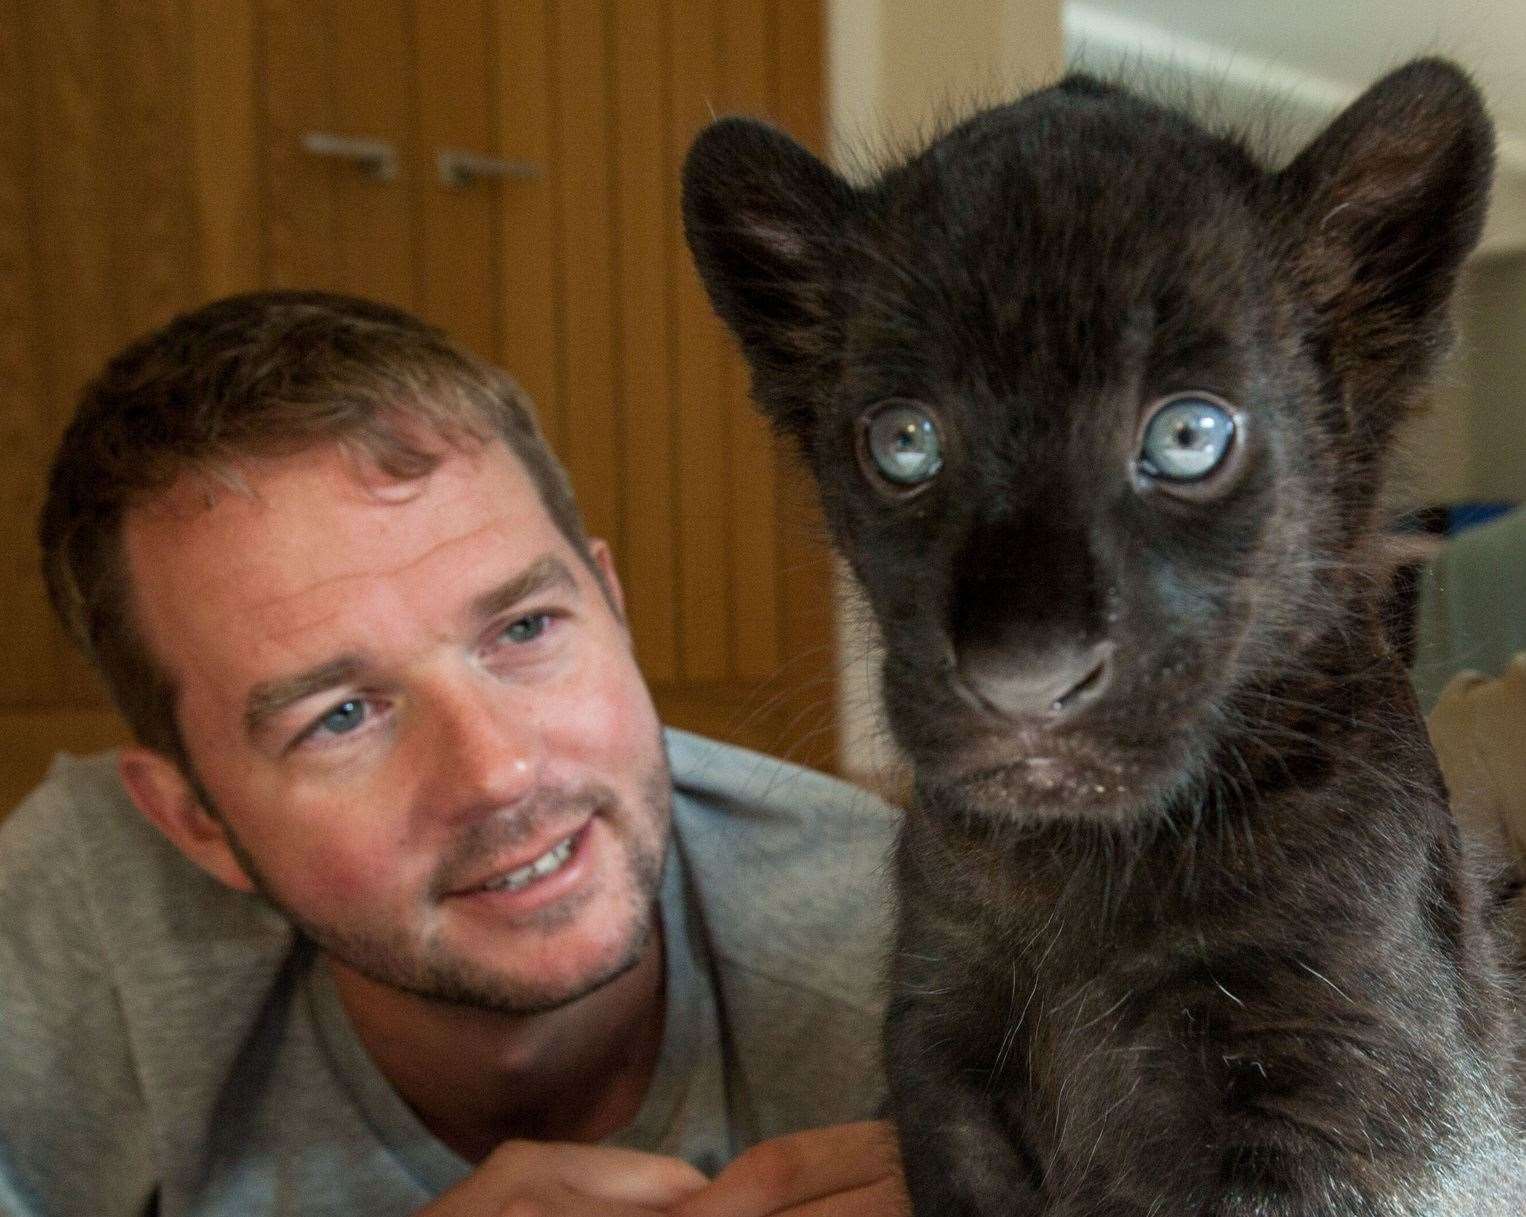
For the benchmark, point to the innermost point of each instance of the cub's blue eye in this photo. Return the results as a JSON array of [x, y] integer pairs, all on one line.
[[343, 718], [901, 441], [1188, 438]]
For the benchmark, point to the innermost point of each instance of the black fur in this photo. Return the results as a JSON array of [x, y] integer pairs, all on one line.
[[1185, 926]]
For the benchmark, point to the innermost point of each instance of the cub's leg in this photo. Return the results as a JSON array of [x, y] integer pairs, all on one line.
[[959, 1153]]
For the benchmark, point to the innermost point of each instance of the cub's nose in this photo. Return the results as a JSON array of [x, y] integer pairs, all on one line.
[[1056, 683]]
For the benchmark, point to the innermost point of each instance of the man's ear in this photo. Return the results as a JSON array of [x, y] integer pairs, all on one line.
[[604, 564], [167, 800]]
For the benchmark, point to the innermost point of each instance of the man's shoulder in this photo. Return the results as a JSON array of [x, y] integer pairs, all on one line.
[[770, 794], [77, 850], [78, 813], [159, 1031], [791, 867]]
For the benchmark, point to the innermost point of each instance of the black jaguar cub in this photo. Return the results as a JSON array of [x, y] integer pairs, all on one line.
[[1098, 406]]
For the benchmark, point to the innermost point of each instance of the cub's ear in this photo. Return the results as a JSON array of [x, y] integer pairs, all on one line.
[[1387, 203], [767, 224]]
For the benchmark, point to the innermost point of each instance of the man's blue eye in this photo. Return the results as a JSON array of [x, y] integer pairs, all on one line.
[[526, 629], [343, 718]]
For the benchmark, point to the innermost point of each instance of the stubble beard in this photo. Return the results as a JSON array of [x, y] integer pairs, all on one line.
[[393, 957]]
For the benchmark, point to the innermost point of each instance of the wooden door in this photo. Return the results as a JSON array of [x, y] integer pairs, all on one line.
[[96, 224], [196, 122]]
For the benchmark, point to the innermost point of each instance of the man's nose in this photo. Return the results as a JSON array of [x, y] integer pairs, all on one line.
[[485, 745]]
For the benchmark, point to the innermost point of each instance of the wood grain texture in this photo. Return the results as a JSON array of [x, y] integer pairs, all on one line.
[[70, 102], [705, 608], [225, 162], [27, 633], [147, 144], [527, 287], [754, 555], [580, 87], [300, 234], [374, 92], [643, 305], [459, 223]]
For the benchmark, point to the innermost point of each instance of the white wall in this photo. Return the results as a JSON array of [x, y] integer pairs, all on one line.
[[1286, 68], [897, 68]]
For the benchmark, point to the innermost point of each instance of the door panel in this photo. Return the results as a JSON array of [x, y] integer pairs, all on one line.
[[371, 66], [72, 241], [754, 557], [643, 190], [27, 633], [458, 224], [580, 74], [225, 170], [527, 211], [700, 385], [299, 227]]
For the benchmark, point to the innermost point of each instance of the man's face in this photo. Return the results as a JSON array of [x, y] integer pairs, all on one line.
[[418, 717]]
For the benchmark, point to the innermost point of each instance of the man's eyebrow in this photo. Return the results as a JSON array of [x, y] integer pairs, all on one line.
[[269, 698], [541, 575]]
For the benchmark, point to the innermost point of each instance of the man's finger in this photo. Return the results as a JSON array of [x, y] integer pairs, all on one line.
[[823, 1166], [624, 1175], [554, 1178]]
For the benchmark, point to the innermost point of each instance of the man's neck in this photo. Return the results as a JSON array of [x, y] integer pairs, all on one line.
[[476, 1078]]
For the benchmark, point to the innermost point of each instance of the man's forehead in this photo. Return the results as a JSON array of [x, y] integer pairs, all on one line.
[[307, 530], [335, 473], [341, 468]]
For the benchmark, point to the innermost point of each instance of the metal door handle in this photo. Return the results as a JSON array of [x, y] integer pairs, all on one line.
[[460, 169], [374, 157]]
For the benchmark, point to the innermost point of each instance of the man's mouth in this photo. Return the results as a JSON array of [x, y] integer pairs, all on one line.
[[547, 864]]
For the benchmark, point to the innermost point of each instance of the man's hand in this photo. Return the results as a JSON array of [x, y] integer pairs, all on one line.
[[852, 1170], [555, 1179]]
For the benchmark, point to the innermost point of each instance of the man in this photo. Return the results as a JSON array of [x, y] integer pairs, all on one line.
[[402, 908]]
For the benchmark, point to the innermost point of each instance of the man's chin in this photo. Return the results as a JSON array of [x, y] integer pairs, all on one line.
[[545, 996], [554, 978], [560, 969]]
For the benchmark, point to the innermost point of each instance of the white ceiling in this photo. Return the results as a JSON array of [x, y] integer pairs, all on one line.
[[1312, 56]]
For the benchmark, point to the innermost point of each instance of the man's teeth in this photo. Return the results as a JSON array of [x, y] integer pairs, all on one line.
[[549, 861]]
